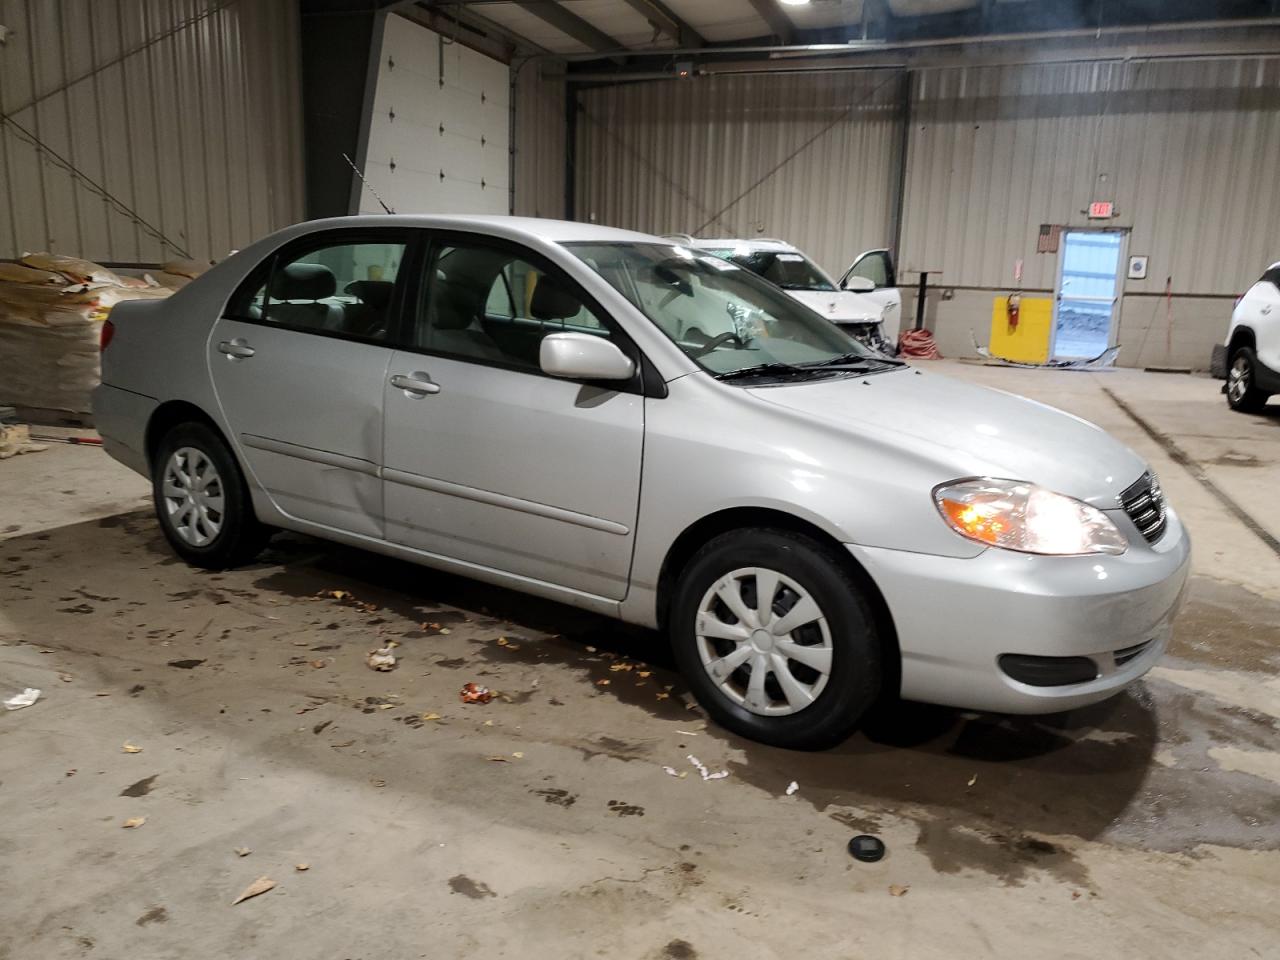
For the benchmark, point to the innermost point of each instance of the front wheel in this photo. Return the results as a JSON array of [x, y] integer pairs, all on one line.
[[1242, 386], [202, 501], [776, 639]]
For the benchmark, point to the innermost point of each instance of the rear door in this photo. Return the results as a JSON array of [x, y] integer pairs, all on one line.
[[877, 266], [299, 361], [488, 460]]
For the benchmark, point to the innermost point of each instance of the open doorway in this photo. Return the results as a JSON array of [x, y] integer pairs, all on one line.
[[1088, 292]]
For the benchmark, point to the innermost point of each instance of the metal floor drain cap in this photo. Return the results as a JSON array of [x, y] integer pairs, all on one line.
[[866, 848]]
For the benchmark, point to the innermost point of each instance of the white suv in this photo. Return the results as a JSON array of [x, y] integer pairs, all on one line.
[[1252, 348], [865, 303]]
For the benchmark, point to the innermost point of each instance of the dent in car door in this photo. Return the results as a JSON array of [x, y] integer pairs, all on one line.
[[493, 463], [301, 388]]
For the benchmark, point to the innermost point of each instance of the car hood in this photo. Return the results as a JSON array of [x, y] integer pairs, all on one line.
[[971, 430], [840, 306]]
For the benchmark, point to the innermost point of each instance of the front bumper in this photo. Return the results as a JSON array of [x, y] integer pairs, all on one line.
[[955, 618]]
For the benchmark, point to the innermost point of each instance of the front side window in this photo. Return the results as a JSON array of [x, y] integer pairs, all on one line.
[[875, 267], [490, 304], [719, 314], [345, 289]]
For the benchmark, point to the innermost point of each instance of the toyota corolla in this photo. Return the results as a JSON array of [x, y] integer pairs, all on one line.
[[812, 524]]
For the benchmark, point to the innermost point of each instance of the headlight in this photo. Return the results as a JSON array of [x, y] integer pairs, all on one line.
[[1021, 516]]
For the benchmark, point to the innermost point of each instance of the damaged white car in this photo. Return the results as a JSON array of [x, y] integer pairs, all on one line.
[[865, 303]]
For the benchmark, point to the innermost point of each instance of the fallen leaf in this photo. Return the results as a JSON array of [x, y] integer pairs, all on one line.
[[378, 783], [302, 867], [502, 641], [591, 649], [602, 683], [895, 890], [488, 723], [130, 748], [319, 664], [381, 660], [259, 886], [345, 743], [445, 630], [499, 759], [242, 851], [792, 788], [431, 716], [973, 780], [385, 706], [72, 772], [134, 822], [1075, 894], [518, 755], [644, 673], [616, 667], [663, 696], [65, 677]]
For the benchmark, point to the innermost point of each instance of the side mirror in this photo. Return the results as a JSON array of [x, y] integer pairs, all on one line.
[[582, 356], [856, 284]]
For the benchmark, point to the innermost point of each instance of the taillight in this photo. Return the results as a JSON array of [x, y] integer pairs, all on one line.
[[104, 338]]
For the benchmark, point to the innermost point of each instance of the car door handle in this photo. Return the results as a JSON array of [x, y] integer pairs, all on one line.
[[236, 348], [417, 383]]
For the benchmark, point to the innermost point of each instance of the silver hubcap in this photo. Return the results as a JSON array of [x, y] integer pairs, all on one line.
[[193, 496], [764, 641], [1238, 380]]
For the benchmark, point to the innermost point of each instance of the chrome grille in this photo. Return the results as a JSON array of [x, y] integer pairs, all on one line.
[[1144, 503]]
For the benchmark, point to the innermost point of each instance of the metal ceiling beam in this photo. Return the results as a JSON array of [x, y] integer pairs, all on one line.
[[780, 24], [571, 25], [662, 17]]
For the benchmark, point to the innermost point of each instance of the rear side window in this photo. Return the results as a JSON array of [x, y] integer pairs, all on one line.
[[342, 289], [1272, 277]]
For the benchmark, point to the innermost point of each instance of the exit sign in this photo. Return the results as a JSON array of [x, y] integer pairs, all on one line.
[[1102, 210]]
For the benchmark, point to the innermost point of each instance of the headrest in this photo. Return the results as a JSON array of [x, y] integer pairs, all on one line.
[[303, 281], [552, 301], [453, 306], [376, 293]]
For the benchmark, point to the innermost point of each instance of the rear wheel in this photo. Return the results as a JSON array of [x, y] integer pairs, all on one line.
[[776, 639], [1242, 384], [202, 501]]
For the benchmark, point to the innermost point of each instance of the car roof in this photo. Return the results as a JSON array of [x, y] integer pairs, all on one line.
[[762, 243], [533, 228]]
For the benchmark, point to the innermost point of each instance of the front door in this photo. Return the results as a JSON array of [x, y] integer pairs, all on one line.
[[489, 461], [299, 362], [1088, 292], [877, 266]]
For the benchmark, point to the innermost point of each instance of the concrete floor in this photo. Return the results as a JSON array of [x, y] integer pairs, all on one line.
[[543, 824]]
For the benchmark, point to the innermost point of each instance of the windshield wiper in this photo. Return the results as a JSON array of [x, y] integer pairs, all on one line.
[[854, 361], [761, 369]]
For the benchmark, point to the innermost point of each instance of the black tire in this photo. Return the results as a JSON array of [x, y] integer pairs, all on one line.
[[854, 681], [239, 536], [1247, 398]]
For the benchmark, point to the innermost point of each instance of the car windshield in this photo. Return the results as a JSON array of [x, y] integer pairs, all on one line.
[[789, 269], [725, 317]]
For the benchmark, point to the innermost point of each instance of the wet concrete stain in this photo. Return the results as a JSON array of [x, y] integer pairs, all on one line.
[[469, 888], [320, 727], [186, 664], [680, 950], [1008, 858], [624, 809], [154, 915], [141, 788], [1233, 458], [561, 798], [1223, 625], [858, 824], [80, 608], [136, 689]]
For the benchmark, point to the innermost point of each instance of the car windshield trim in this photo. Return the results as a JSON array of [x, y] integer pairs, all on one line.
[[722, 316]]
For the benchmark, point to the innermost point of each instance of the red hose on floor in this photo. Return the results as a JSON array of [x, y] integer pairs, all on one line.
[[918, 343]]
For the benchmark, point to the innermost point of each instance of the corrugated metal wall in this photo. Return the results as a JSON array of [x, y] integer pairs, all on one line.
[[812, 159], [539, 145], [180, 118], [1186, 150]]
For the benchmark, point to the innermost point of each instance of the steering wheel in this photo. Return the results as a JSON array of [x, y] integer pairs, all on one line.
[[718, 341]]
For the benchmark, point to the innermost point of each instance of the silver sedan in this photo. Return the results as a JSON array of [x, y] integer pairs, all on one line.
[[623, 424]]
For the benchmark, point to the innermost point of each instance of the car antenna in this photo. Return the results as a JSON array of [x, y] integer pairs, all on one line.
[[352, 165]]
